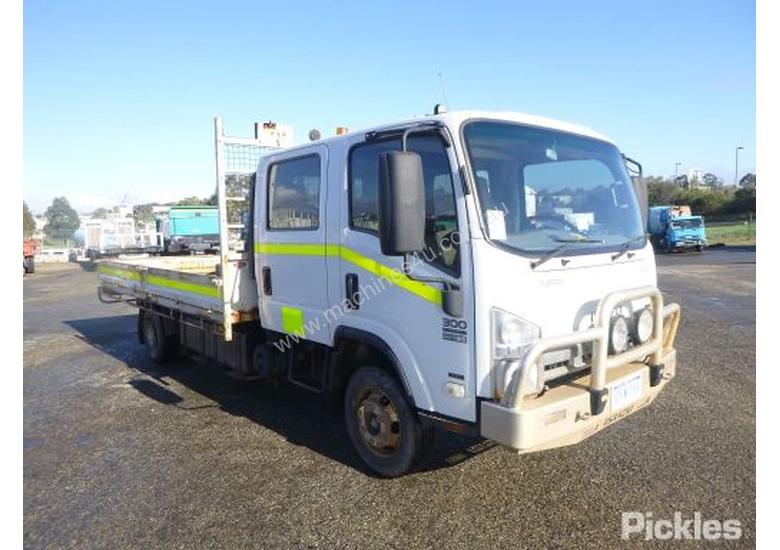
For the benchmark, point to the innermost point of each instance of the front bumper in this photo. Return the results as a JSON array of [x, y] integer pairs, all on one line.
[[576, 409], [689, 243]]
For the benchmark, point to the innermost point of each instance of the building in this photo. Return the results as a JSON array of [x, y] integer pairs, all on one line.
[[695, 178]]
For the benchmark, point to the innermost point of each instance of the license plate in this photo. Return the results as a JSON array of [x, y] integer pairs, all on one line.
[[626, 392]]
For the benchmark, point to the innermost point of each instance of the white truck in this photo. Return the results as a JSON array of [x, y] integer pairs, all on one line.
[[427, 273]]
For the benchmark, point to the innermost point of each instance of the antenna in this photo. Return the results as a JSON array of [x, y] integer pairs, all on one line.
[[443, 94]]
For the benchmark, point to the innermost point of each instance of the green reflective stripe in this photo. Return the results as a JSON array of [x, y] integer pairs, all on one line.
[[119, 272], [292, 320], [194, 288], [424, 291]]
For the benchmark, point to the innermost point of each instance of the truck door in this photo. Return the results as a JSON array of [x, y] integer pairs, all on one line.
[[290, 259], [435, 349]]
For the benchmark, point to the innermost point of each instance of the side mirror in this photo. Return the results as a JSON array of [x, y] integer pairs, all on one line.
[[641, 196], [640, 189], [401, 203]]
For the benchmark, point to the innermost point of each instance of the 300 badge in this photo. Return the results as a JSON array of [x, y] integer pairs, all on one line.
[[454, 330]]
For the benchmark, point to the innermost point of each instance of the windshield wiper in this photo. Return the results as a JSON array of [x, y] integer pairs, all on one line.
[[567, 243], [625, 246]]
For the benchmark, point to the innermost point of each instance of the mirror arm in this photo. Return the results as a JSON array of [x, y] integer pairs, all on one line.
[[439, 280], [637, 166], [424, 127], [451, 296]]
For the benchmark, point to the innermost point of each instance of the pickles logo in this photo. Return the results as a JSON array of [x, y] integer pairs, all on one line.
[[643, 524]]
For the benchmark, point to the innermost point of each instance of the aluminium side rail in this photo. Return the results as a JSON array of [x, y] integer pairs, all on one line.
[[662, 338], [187, 284]]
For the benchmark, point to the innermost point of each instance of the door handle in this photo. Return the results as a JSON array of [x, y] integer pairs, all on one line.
[[353, 295], [267, 289]]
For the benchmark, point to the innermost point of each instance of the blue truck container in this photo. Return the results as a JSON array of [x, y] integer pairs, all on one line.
[[674, 228], [190, 229]]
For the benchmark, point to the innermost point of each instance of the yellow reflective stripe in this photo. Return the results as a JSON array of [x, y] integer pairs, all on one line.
[[120, 272], [292, 249], [424, 291], [292, 320], [156, 280], [194, 288]]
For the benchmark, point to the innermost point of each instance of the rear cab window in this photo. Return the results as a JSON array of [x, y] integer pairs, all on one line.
[[294, 193]]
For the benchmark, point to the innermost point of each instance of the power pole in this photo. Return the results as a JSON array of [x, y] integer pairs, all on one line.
[[736, 165]]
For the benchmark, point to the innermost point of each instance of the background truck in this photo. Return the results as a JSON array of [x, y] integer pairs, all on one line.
[[115, 236], [675, 228], [29, 249], [192, 229], [422, 274]]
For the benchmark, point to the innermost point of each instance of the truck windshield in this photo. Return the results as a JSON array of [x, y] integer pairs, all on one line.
[[692, 223], [539, 187]]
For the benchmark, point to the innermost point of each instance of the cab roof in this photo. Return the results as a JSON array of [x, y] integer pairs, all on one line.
[[454, 119]]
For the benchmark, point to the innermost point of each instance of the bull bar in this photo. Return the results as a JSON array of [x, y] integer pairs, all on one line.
[[513, 405]]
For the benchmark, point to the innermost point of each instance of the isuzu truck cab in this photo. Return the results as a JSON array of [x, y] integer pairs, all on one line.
[[482, 272]]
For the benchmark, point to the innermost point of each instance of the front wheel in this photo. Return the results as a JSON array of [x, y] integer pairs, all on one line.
[[382, 425]]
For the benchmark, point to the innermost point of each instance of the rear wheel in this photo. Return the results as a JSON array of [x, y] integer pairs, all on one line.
[[382, 425], [161, 346]]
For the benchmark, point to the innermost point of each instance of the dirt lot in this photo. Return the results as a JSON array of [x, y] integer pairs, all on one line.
[[120, 453]]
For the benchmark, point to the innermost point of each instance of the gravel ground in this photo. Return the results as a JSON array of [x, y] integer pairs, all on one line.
[[121, 453]]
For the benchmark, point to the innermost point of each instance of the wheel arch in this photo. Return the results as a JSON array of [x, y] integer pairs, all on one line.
[[355, 346]]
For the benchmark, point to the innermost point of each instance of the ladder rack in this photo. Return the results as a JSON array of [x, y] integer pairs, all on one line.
[[236, 163]]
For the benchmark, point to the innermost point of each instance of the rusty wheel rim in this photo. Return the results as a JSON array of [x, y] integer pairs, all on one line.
[[379, 424]]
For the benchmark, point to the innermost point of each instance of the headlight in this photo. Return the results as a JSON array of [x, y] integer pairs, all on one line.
[[618, 335], [512, 335], [512, 339], [643, 325]]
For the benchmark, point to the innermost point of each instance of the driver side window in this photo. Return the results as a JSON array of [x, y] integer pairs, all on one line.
[[441, 220]]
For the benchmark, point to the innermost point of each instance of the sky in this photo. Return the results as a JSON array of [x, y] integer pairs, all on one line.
[[119, 97]]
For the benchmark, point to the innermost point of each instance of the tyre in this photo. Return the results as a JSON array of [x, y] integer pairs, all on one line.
[[382, 424], [161, 346]]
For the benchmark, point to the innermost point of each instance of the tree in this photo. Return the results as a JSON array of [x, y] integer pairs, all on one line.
[[744, 201], [62, 220], [28, 222], [661, 191], [711, 180], [99, 213], [190, 201], [143, 214], [748, 180]]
